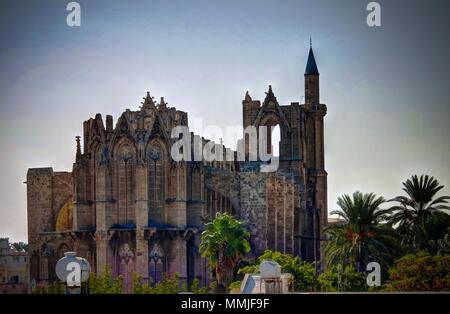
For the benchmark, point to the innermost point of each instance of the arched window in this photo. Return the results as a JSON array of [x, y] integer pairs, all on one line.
[[125, 183], [126, 264], [44, 262], [271, 122], [275, 140], [156, 184], [156, 263], [62, 249]]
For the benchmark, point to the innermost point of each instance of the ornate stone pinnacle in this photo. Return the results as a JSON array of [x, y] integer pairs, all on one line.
[[77, 139], [162, 103], [248, 97], [148, 100]]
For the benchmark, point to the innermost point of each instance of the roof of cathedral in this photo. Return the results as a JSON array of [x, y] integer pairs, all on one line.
[[311, 66]]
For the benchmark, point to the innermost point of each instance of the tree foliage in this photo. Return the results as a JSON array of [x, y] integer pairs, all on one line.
[[363, 236], [20, 246], [168, 285], [415, 215], [420, 272], [304, 273], [224, 242], [342, 279], [104, 283]]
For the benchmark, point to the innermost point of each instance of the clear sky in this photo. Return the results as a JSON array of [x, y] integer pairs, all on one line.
[[387, 89]]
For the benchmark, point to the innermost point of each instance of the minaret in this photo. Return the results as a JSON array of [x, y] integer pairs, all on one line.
[[316, 175], [314, 114], [311, 80]]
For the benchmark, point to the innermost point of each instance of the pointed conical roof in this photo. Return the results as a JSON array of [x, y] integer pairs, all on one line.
[[311, 66]]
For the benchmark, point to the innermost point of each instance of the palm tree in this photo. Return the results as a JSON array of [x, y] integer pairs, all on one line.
[[20, 246], [363, 235], [417, 209], [224, 242]]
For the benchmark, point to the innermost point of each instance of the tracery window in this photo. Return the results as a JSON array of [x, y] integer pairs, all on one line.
[[125, 180], [156, 185], [156, 263]]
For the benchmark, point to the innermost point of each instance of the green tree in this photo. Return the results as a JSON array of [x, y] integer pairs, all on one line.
[[342, 279], [104, 283], [363, 235], [420, 272], [413, 217], [168, 285], [440, 246], [304, 273], [224, 242], [20, 246], [432, 235]]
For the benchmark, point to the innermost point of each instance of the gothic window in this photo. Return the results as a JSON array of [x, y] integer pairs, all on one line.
[[156, 185], [62, 249], [125, 184], [156, 263], [275, 140], [45, 255], [126, 257]]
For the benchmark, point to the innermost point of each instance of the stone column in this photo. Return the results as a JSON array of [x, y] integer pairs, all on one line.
[[101, 242], [102, 223], [141, 220], [178, 258], [177, 210]]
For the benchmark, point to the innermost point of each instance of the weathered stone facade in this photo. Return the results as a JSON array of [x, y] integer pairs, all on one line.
[[128, 204]]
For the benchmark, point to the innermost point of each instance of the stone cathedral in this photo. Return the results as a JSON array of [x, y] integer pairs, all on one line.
[[126, 203]]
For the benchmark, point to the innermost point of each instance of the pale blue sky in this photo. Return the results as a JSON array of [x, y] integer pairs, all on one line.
[[387, 89]]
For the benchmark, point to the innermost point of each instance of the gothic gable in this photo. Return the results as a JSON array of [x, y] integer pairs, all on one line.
[[271, 107]]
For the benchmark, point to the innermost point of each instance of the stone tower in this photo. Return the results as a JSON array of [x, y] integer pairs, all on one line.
[[301, 160], [315, 161]]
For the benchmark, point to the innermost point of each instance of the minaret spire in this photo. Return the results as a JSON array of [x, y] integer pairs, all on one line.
[[311, 66], [311, 79]]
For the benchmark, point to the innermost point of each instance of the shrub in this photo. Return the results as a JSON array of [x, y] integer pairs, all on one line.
[[420, 272], [336, 279], [304, 273]]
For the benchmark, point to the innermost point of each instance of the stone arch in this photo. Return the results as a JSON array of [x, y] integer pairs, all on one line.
[[120, 143], [94, 133], [62, 248], [64, 220], [45, 258], [271, 120]]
